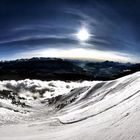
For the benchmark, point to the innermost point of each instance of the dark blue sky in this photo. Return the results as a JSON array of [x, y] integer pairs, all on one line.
[[36, 28]]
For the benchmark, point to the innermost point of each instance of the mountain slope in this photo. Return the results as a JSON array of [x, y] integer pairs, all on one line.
[[88, 110]]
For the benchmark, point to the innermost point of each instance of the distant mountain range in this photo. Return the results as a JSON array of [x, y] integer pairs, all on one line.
[[61, 69]]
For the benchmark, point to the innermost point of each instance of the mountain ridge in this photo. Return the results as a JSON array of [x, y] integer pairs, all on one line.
[[61, 69]]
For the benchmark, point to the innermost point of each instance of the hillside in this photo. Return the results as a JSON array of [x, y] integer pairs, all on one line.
[[87, 110]]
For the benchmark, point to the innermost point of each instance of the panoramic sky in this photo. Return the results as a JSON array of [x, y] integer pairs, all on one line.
[[79, 29]]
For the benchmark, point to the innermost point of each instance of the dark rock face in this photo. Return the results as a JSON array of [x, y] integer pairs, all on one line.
[[15, 99], [59, 69]]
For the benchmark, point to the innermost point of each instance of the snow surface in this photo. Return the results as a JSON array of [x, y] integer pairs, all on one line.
[[89, 110]]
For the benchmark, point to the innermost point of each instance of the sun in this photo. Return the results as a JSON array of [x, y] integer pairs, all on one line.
[[83, 34]]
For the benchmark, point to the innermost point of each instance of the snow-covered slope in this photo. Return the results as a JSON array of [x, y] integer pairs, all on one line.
[[58, 110]]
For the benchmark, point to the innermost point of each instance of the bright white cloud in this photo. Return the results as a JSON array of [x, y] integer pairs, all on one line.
[[80, 53]]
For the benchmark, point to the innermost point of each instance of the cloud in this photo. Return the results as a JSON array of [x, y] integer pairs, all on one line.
[[36, 88], [39, 40], [79, 53]]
